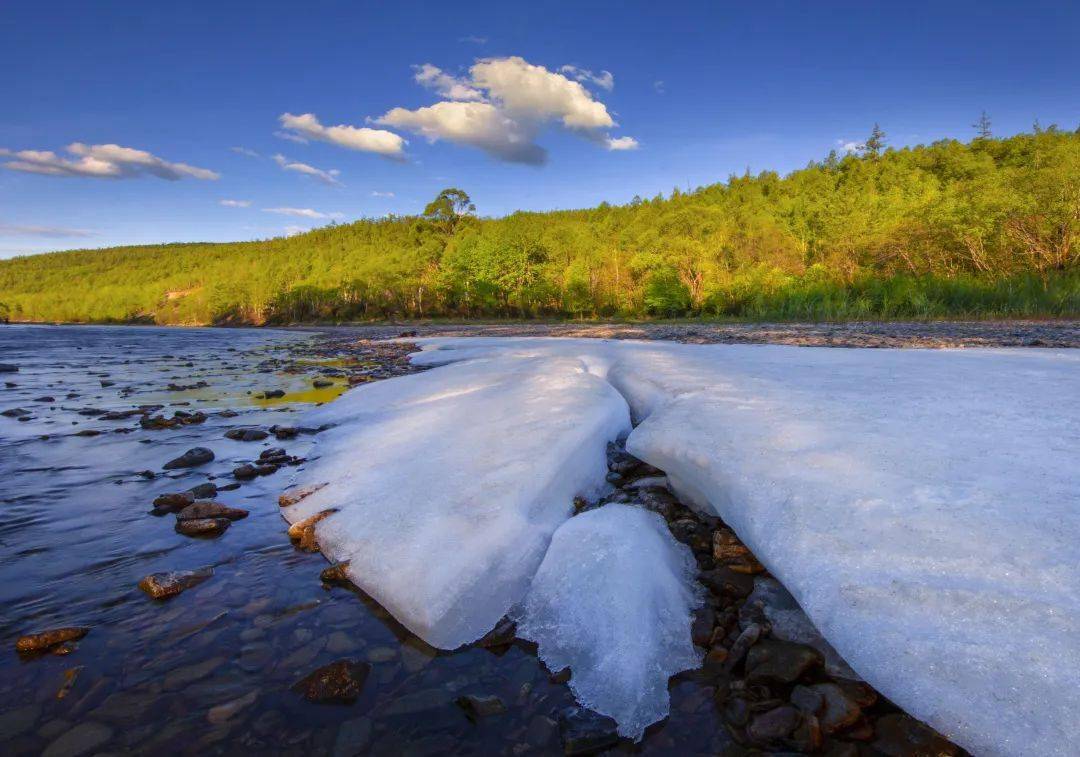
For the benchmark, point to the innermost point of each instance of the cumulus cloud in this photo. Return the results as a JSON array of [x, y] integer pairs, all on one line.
[[622, 143], [302, 213], [446, 85], [101, 162], [307, 127], [236, 203], [506, 103], [51, 232], [849, 146], [604, 79], [326, 177]]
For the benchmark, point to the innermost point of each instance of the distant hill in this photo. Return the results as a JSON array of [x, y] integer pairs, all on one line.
[[987, 228]]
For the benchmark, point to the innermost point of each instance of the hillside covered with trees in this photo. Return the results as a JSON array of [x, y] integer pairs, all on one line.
[[987, 228]]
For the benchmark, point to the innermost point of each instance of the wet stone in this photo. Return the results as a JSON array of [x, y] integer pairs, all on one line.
[[774, 724], [339, 682], [336, 573], [773, 661], [46, 640], [584, 731], [172, 501], [222, 713], [477, 707], [82, 739], [169, 584], [246, 434], [194, 457], [201, 510], [728, 583], [203, 526], [839, 710], [245, 472]]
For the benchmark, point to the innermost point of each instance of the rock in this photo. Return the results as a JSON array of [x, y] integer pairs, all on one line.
[[381, 654], [807, 699], [8, 368], [502, 635], [15, 412], [586, 732], [246, 434], [245, 472], [192, 458], [265, 470], [223, 712], [728, 550], [339, 682], [900, 735], [169, 584], [353, 738], [839, 710], [83, 738], [200, 510], [748, 638], [774, 661], [774, 724], [321, 383], [336, 573], [172, 502], [293, 496], [284, 432], [44, 399], [202, 526], [302, 533], [561, 676], [203, 491], [70, 676], [477, 707], [540, 731], [701, 628], [271, 394], [45, 640], [727, 583]]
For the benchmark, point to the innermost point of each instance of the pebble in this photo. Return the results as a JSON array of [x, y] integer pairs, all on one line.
[[169, 584], [202, 526], [223, 712], [201, 510], [45, 640]]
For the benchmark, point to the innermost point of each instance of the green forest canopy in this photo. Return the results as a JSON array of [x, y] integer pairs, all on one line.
[[987, 228]]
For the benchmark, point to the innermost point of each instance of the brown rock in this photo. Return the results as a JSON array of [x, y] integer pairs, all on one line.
[[293, 496], [839, 710], [729, 551], [725, 582], [336, 573], [302, 533], [774, 724], [202, 526], [45, 640], [173, 501], [900, 735], [339, 682], [477, 707], [200, 510], [169, 584], [774, 661]]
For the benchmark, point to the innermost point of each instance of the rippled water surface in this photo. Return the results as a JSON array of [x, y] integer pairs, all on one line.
[[76, 536]]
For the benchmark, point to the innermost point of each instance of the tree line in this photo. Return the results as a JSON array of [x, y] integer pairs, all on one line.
[[984, 228]]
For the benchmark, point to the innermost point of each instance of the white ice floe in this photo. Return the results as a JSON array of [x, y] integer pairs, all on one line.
[[612, 601], [922, 506], [450, 483]]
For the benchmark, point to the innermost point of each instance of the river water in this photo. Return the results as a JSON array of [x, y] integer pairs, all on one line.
[[76, 536]]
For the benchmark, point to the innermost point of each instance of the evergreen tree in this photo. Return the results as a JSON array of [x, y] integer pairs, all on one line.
[[876, 142], [982, 127]]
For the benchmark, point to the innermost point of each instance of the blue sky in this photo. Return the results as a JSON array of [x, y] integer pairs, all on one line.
[[691, 92]]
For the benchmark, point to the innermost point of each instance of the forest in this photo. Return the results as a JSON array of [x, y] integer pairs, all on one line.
[[987, 228]]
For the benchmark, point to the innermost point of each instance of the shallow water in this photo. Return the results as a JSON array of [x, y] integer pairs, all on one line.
[[76, 537]]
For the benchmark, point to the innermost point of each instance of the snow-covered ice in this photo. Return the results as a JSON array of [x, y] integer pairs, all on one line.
[[612, 601], [449, 484], [922, 506]]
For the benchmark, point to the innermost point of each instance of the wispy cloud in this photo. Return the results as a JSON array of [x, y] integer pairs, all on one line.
[[236, 203], [472, 39], [51, 232], [377, 193], [604, 79], [245, 151], [379, 141], [303, 213], [101, 162], [659, 87], [326, 177]]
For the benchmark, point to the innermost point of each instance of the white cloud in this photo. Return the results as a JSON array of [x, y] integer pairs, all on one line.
[[52, 232], [245, 151], [302, 213], [849, 146], [101, 162], [517, 99], [291, 137], [604, 79], [660, 87], [622, 143], [378, 141], [479, 125], [236, 203], [446, 85], [473, 40], [326, 177], [382, 194]]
